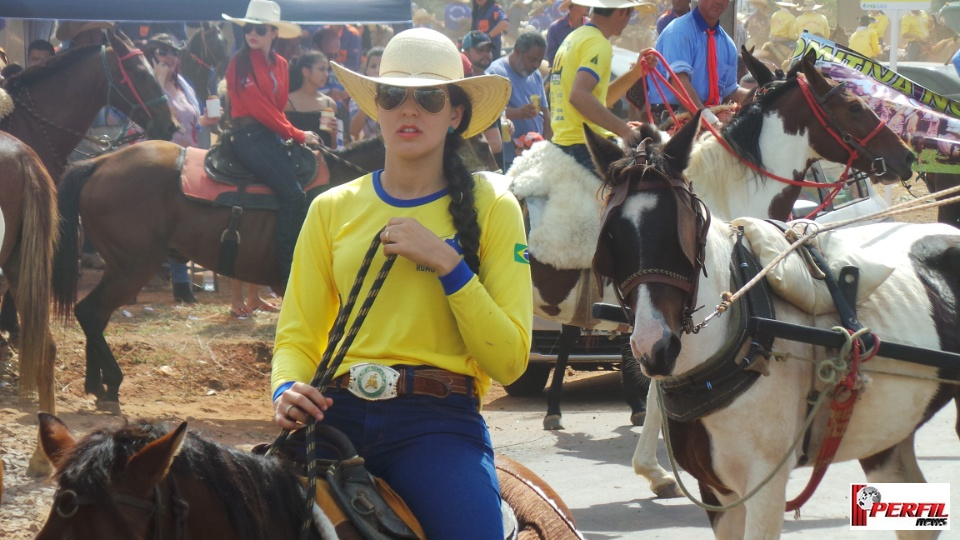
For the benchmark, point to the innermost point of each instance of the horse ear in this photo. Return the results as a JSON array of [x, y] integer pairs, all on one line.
[[814, 77], [150, 466], [677, 151], [602, 151], [55, 439], [761, 73]]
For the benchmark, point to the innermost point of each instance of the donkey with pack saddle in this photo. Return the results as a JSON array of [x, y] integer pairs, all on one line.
[[746, 402], [755, 167]]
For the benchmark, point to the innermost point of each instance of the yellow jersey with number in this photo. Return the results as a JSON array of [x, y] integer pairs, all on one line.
[[585, 49]]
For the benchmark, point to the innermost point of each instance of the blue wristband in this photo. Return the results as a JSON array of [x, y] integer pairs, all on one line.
[[283, 388], [457, 278]]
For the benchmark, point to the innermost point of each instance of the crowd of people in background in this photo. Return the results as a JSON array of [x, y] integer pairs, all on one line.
[[519, 40]]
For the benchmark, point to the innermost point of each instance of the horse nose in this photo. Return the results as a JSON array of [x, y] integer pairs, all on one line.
[[661, 355]]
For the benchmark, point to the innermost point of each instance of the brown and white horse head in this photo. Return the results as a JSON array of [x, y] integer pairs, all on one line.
[[843, 126], [651, 238], [134, 88]]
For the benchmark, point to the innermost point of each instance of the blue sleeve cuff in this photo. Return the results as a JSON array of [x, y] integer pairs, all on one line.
[[283, 388], [457, 278], [590, 71]]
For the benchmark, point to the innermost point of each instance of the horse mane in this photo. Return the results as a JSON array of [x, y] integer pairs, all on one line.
[[254, 491], [626, 168], [52, 65]]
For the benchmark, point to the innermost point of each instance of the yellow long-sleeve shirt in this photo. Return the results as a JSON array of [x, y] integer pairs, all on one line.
[[781, 25], [865, 42], [879, 25], [911, 28], [483, 329], [813, 22]]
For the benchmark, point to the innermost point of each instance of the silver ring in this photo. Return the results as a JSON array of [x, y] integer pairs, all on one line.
[[286, 411]]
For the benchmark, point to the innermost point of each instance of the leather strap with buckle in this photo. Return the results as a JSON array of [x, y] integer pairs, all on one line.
[[375, 382]]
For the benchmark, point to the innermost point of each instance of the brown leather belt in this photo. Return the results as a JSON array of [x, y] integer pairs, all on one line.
[[421, 382]]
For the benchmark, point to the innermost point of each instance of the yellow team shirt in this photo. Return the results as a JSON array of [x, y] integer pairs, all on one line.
[[812, 22], [585, 49], [911, 28], [880, 24], [482, 330], [865, 42], [781, 25]]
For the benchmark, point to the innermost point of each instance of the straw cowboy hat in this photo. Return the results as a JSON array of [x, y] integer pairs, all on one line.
[[423, 16], [641, 6], [811, 5], [421, 57], [790, 5], [266, 12], [68, 30]]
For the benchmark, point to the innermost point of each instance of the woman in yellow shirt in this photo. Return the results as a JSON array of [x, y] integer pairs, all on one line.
[[454, 312]]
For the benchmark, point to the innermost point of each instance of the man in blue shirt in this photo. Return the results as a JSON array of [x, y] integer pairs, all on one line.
[[678, 9], [561, 28], [684, 44], [520, 66]]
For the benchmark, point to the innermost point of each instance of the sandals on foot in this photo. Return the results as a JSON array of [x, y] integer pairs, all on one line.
[[240, 313]]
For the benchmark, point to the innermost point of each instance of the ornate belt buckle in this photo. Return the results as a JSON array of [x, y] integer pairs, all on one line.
[[373, 382]]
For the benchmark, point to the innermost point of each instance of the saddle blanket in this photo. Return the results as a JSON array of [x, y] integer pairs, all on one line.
[[564, 204], [791, 278], [197, 185]]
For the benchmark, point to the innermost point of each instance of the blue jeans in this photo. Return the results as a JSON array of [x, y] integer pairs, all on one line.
[[261, 152], [581, 153], [178, 270], [435, 453]]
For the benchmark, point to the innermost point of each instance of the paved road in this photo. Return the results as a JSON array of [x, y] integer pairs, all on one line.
[[588, 464]]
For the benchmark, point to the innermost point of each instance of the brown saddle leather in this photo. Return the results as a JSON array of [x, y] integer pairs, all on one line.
[[222, 165]]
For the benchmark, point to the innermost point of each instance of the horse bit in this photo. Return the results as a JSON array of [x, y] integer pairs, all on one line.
[[67, 502]]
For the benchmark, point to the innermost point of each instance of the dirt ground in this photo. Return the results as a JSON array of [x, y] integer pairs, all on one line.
[[195, 363]]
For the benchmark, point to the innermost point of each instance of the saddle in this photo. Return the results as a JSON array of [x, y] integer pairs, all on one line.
[[222, 165]]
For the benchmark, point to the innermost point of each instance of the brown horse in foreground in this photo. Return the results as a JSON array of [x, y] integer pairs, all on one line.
[[134, 212], [140, 480], [28, 232]]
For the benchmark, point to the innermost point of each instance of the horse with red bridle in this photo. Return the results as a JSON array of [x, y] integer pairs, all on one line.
[[754, 167], [737, 394]]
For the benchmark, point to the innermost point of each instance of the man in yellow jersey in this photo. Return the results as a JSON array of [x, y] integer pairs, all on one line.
[[880, 25], [781, 22], [913, 34], [812, 20], [580, 88], [864, 40]]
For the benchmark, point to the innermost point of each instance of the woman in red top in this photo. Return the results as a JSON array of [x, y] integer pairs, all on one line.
[[258, 86]]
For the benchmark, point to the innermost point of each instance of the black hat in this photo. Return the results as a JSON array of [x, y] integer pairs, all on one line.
[[866, 19]]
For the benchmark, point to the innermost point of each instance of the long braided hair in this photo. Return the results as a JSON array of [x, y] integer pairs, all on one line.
[[460, 184]]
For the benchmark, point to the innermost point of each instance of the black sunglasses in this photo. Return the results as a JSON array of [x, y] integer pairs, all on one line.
[[163, 51], [260, 29], [429, 99]]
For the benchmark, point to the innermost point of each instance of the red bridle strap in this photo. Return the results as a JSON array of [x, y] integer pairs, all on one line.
[[125, 79]]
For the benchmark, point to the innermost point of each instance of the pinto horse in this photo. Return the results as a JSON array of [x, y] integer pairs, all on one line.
[[656, 228], [28, 228], [57, 100], [134, 211], [778, 133], [205, 51], [140, 480]]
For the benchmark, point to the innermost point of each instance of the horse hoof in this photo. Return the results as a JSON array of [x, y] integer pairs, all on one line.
[[668, 491], [637, 418], [552, 422], [112, 407]]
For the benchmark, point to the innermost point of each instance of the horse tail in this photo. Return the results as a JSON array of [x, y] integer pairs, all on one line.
[[37, 242], [66, 262]]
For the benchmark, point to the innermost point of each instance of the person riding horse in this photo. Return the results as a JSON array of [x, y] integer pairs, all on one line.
[[258, 86]]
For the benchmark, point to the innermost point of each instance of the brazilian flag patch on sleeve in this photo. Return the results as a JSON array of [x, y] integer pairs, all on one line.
[[520, 254]]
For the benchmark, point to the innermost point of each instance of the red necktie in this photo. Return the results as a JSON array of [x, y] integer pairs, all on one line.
[[714, 78]]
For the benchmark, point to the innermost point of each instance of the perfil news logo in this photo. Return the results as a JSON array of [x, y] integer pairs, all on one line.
[[899, 507]]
